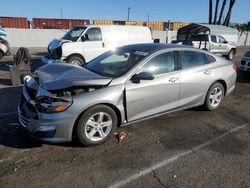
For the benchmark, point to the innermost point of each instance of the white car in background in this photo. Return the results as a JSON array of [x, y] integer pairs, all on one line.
[[4, 44]]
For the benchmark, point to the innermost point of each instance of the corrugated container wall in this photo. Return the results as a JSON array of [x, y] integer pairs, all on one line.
[[156, 25], [178, 25], [103, 22], [14, 22], [50, 23], [136, 23]]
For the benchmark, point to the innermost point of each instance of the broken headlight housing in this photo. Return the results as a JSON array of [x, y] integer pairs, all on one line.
[[50, 105]]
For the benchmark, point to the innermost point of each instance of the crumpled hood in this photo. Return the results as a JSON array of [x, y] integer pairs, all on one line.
[[55, 43], [58, 76]]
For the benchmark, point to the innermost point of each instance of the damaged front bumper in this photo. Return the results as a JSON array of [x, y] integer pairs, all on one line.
[[55, 127]]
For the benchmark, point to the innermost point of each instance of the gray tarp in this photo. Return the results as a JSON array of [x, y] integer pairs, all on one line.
[[185, 32]]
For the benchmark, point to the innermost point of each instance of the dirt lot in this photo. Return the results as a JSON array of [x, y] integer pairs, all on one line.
[[192, 148]]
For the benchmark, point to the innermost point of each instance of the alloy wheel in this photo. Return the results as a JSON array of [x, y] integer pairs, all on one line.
[[98, 126], [215, 97]]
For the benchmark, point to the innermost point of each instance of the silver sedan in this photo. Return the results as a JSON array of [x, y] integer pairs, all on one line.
[[127, 85]]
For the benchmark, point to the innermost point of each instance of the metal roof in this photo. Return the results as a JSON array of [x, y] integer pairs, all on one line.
[[194, 28]]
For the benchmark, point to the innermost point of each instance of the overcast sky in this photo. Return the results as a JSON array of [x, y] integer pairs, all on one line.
[[162, 10]]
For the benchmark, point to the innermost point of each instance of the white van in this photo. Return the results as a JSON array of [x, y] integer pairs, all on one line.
[[83, 43]]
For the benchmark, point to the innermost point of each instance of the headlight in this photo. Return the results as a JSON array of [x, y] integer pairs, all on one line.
[[51, 105]]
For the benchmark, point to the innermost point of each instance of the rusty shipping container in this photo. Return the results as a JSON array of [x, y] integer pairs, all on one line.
[[156, 25], [103, 22], [51, 23], [14, 22], [178, 25], [136, 23]]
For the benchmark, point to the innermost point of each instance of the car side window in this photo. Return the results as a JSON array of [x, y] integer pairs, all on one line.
[[94, 34], [160, 64], [221, 39], [213, 38], [210, 59], [190, 59]]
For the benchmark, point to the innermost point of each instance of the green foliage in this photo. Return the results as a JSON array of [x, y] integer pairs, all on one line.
[[244, 27]]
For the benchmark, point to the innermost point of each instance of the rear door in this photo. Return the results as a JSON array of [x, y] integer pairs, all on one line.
[[196, 76], [93, 44], [149, 97]]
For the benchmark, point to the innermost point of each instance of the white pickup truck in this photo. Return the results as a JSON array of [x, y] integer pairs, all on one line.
[[213, 43]]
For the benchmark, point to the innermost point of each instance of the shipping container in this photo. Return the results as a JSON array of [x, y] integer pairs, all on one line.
[[103, 22], [14, 22], [178, 25], [119, 22], [156, 25], [136, 23], [51, 23]]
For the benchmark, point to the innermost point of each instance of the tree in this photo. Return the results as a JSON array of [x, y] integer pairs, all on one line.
[[221, 11], [216, 11], [227, 19], [210, 11]]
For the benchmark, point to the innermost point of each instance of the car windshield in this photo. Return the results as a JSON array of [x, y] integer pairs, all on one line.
[[74, 33], [115, 63]]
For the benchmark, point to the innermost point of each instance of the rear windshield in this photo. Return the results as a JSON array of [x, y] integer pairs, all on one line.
[[74, 33]]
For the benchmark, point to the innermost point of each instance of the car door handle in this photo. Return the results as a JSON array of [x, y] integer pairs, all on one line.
[[103, 45], [174, 79], [207, 72]]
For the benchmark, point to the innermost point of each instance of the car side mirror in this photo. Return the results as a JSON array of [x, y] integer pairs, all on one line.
[[142, 76], [85, 37], [225, 42]]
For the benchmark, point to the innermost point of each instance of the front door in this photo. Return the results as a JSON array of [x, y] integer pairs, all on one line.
[[149, 97], [93, 44]]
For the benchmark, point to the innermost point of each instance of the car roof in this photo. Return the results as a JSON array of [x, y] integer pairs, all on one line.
[[152, 47]]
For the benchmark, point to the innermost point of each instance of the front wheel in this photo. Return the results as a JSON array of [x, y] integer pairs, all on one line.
[[96, 125], [214, 97], [75, 60]]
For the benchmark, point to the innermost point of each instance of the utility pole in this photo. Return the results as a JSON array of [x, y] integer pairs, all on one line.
[[148, 17], [129, 8], [61, 13]]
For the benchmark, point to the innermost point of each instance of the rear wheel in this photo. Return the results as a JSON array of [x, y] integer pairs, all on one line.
[[230, 54], [214, 96], [76, 60], [96, 125]]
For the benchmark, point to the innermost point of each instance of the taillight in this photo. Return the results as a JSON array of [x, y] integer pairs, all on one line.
[[234, 67]]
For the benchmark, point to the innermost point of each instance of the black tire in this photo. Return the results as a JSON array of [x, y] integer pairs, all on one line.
[[231, 54], [76, 60], [82, 123], [207, 103], [1, 55], [25, 76]]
